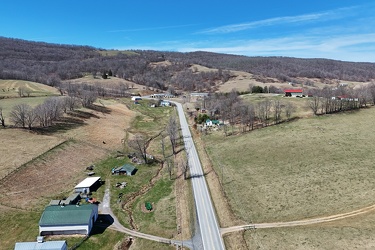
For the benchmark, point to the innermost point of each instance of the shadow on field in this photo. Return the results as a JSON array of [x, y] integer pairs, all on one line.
[[62, 125], [101, 224], [101, 109]]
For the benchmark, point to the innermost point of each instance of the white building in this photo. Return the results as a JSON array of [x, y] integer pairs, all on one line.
[[71, 219], [42, 245], [87, 185]]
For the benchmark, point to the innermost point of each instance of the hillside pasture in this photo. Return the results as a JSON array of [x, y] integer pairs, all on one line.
[[11, 88], [19, 146], [312, 167]]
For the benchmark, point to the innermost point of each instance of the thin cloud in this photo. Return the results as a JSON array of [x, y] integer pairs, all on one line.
[[151, 28], [323, 16]]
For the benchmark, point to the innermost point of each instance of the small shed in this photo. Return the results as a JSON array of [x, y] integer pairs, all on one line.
[[126, 169], [42, 245], [66, 220], [87, 185]]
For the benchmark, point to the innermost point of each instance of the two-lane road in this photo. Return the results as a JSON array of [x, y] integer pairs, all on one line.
[[211, 237]]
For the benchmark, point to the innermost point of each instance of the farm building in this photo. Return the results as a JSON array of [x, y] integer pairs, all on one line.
[[126, 169], [162, 95], [40, 244], [136, 98], [164, 103], [70, 219], [72, 199], [210, 123], [87, 185], [293, 92]]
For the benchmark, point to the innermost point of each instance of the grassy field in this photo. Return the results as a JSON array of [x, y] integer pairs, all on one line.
[[311, 167], [10, 88]]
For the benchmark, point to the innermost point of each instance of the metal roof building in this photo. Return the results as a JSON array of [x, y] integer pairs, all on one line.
[[87, 185], [45, 245], [70, 219]]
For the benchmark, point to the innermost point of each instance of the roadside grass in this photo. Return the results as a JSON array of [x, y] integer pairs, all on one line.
[[148, 244], [313, 167], [161, 220], [10, 88]]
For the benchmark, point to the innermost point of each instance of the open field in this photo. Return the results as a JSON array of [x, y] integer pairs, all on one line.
[[10, 88], [22, 146], [312, 167]]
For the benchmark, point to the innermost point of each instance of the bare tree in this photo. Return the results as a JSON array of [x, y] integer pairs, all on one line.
[[139, 143], [314, 104], [2, 119], [19, 113], [21, 91], [289, 110], [173, 132], [277, 109], [88, 98], [183, 165]]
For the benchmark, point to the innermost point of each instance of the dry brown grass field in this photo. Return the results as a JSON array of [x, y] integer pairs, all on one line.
[[312, 167], [20, 146]]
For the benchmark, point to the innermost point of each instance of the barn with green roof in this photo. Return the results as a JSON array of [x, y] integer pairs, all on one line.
[[70, 219]]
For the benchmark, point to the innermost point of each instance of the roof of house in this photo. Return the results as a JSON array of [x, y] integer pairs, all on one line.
[[88, 182], [66, 215], [46, 245], [293, 90]]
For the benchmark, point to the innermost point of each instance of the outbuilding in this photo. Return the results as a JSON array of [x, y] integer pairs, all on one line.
[[40, 244], [87, 185], [293, 92], [126, 169], [70, 219]]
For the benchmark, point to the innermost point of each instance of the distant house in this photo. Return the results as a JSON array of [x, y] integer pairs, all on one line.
[[293, 92], [40, 244], [136, 98], [197, 94], [162, 95], [164, 103], [126, 169], [210, 123], [87, 185], [70, 219]]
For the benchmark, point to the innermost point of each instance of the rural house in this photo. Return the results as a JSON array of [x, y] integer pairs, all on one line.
[[293, 92], [126, 169], [210, 123], [164, 103], [40, 244], [70, 219], [87, 185]]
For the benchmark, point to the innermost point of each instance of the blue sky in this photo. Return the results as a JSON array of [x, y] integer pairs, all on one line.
[[335, 29]]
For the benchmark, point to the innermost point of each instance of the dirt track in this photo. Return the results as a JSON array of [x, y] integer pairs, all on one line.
[[299, 222]]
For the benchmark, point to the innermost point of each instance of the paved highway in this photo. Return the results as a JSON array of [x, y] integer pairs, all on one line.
[[209, 228]]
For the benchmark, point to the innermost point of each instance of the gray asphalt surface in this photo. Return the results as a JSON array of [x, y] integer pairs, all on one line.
[[209, 228]]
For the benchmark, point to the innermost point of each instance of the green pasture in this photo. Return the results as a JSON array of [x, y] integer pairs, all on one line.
[[11, 88], [311, 167]]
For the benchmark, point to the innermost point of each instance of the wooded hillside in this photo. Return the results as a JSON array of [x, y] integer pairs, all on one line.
[[50, 63]]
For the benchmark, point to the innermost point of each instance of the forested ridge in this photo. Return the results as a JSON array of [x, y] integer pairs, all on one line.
[[51, 63]]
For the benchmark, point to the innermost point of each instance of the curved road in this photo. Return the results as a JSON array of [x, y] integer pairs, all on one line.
[[209, 228]]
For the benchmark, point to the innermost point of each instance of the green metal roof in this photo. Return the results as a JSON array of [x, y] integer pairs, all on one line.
[[66, 215], [128, 167]]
